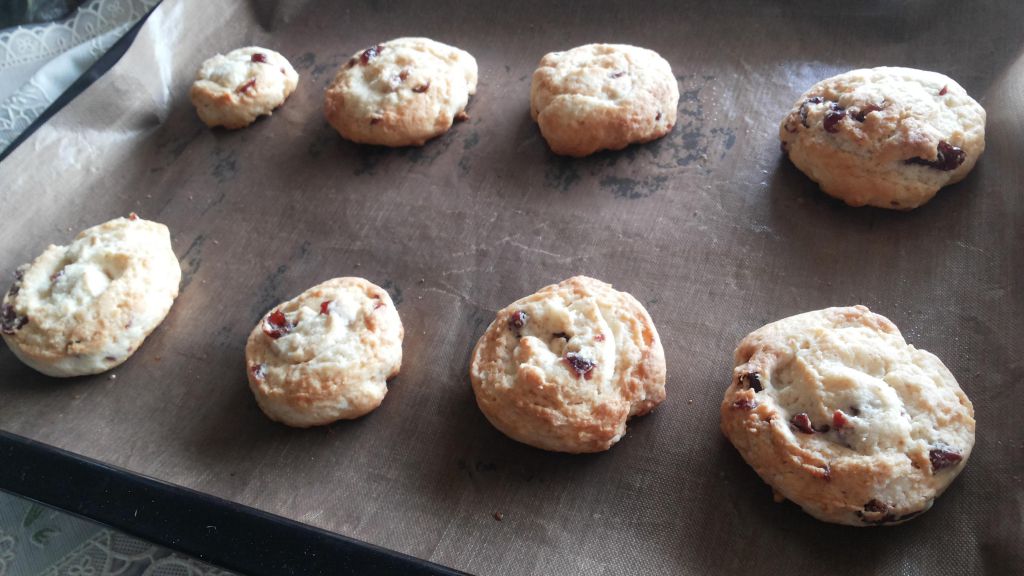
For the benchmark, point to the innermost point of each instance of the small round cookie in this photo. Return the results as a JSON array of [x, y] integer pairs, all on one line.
[[233, 90], [86, 307], [564, 368], [836, 412], [885, 137], [326, 354], [603, 97], [401, 93]]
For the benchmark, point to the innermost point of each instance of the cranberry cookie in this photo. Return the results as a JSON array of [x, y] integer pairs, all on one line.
[[603, 97], [564, 368], [885, 137], [86, 307], [839, 414], [326, 354], [401, 93], [233, 90]]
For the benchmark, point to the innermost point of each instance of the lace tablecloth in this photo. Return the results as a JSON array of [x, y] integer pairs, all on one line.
[[38, 62], [36, 540]]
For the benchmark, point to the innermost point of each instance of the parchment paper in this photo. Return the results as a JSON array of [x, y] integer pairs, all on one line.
[[711, 228]]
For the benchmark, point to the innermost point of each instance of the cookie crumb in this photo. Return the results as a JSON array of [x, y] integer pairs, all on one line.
[[499, 516], [113, 376]]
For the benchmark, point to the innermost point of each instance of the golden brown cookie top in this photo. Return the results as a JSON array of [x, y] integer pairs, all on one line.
[[401, 93], [564, 368], [234, 89], [86, 307], [603, 97], [326, 354], [839, 414], [886, 137]]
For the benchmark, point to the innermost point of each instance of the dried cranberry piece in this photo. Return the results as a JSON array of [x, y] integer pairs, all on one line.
[[944, 457], [862, 114], [277, 325], [802, 422], [944, 90], [657, 116], [599, 337], [751, 380], [133, 216], [948, 157], [371, 53], [259, 370], [10, 322], [517, 320], [421, 88], [19, 275], [403, 74], [259, 57], [244, 88], [744, 404], [804, 110], [875, 506], [582, 366], [832, 118], [839, 419], [325, 307]]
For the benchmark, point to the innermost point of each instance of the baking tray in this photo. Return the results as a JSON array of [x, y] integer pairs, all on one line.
[[711, 228]]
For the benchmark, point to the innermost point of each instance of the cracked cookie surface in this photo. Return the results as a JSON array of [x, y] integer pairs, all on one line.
[[603, 97], [86, 307], [326, 354], [234, 89], [564, 368], [836, 412], [886, 137], [401, 93]]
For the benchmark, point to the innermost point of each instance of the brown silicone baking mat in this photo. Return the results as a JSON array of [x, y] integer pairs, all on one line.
[[711, 228]]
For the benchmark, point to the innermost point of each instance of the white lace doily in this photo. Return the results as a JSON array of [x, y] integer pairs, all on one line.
[[36, 540], [39, 62]]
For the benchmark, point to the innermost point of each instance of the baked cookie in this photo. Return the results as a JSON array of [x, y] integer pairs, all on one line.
[[401, 93], [233, 90], [836, 412], [603, 97], [886, 137], [86, 307], [326, 354], [564, 368]]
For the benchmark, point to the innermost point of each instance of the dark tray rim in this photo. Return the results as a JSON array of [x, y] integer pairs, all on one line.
[[218, 531]]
